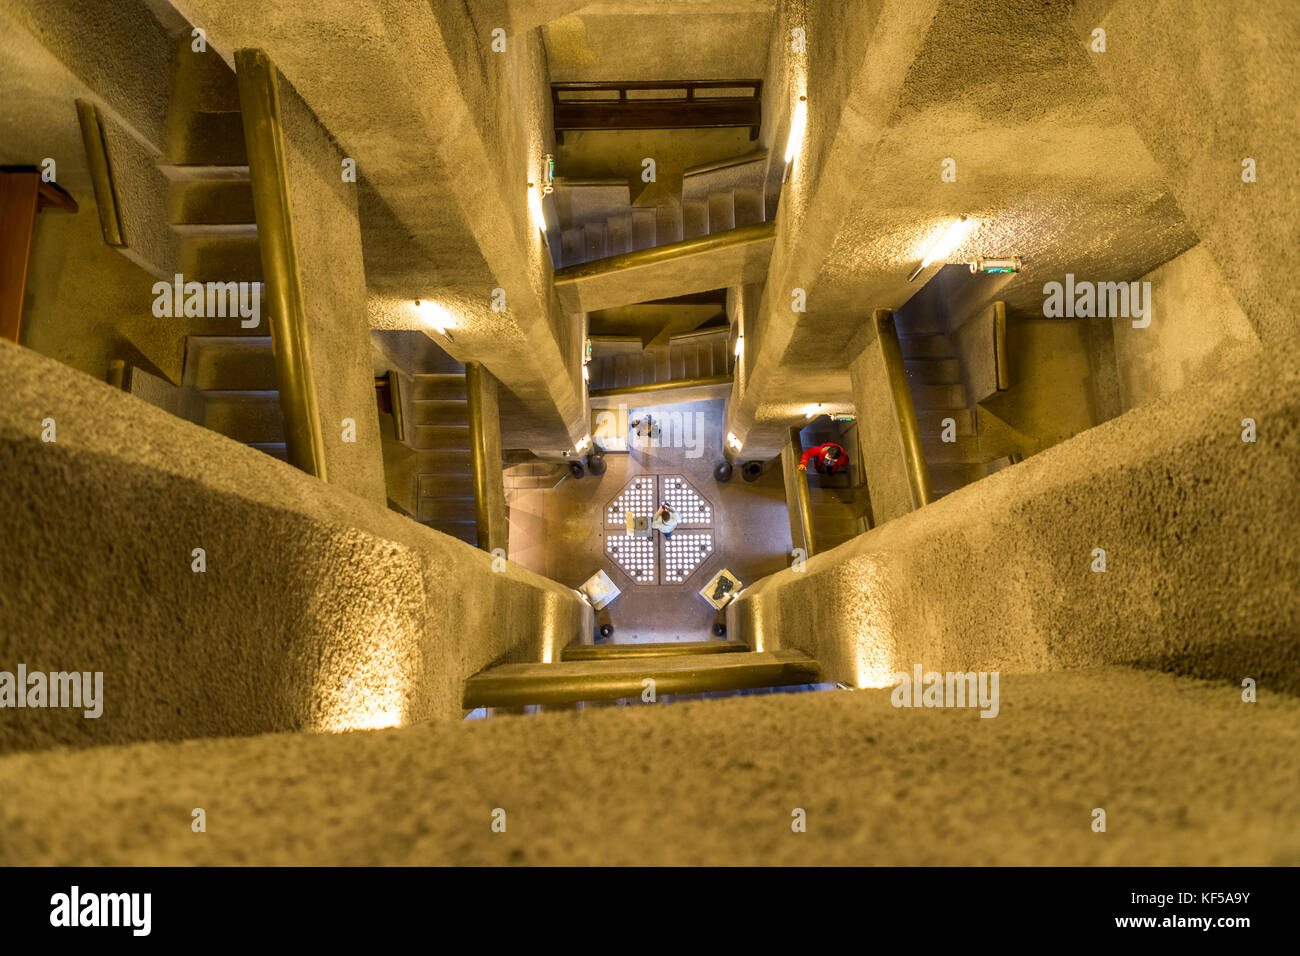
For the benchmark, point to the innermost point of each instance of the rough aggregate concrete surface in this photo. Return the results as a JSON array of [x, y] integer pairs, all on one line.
[[1187, 773]]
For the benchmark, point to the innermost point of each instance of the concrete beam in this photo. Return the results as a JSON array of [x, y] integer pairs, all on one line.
[[1207, 86]]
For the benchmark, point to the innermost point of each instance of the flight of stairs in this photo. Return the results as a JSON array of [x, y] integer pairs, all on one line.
[[439, 433], [210, 209], [598, 219], [234, 379], [938, 393], [210, 197], [620, 362]]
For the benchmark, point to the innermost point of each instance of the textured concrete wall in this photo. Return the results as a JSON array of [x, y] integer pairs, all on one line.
[[1198, 527], [317, 609], [1197, 331], [1187, 773], [327, 234], [1208, 84]]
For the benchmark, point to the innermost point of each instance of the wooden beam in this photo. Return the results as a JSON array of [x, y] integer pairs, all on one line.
[[22, 195]]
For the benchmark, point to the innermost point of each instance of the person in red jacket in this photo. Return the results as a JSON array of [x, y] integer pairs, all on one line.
[[827, 459]]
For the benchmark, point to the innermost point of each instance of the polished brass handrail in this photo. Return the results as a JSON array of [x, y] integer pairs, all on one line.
[[918, 472], [660, 386], [101, 174], [478, 452], [259, 102], [802, 494], [609, 265]]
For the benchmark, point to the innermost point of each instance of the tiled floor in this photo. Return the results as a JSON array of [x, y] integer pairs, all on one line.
[[560, 532]]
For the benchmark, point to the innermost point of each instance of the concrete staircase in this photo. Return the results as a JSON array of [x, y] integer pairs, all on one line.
[[598, 219], [233, 377], [619, 362], [439, 426], [209, 199], [938, 394]]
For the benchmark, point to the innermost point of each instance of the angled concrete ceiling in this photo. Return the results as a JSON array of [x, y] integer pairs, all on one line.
[[1048, 168]]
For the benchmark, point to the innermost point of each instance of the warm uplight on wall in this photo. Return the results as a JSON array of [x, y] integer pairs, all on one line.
[[586, 374], [535, 207], [812, 411], [434, 316], [798, 124], [740, 346], [945, 244], [583, 443], [733, 441]]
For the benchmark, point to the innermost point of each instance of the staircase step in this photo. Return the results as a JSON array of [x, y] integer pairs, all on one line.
[[572, 248], [447, 386], [210, 201], [593, 240], [643, 227], [668, 223], [939, 396], [441, 438], [566, 682], [930, 420], [925, 346], [276, 449], [445, 486], [229, 362], [433, 412], [933, 371], [618, 235], [246, 415], [946, 477], [220, 259], [466, 531], [215, 138], [446, 462], [609, 652], [748, 206], [457, 510], [722, 212], [203, 172], [967, 449], [695, 219]]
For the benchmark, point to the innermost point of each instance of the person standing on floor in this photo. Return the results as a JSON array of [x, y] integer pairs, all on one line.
[[665, 519]]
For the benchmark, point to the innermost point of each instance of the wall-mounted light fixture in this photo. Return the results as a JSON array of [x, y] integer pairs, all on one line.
[[733, 441], [993, 266], [946, 243], [740, 346], [798, 125], [548, 175], [812, 411], [435, 316]]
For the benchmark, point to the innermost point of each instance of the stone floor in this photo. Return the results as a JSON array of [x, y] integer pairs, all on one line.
[[560, 532]]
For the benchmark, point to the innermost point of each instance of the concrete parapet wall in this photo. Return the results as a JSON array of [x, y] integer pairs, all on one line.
[[1198, 526], [317, 610]]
